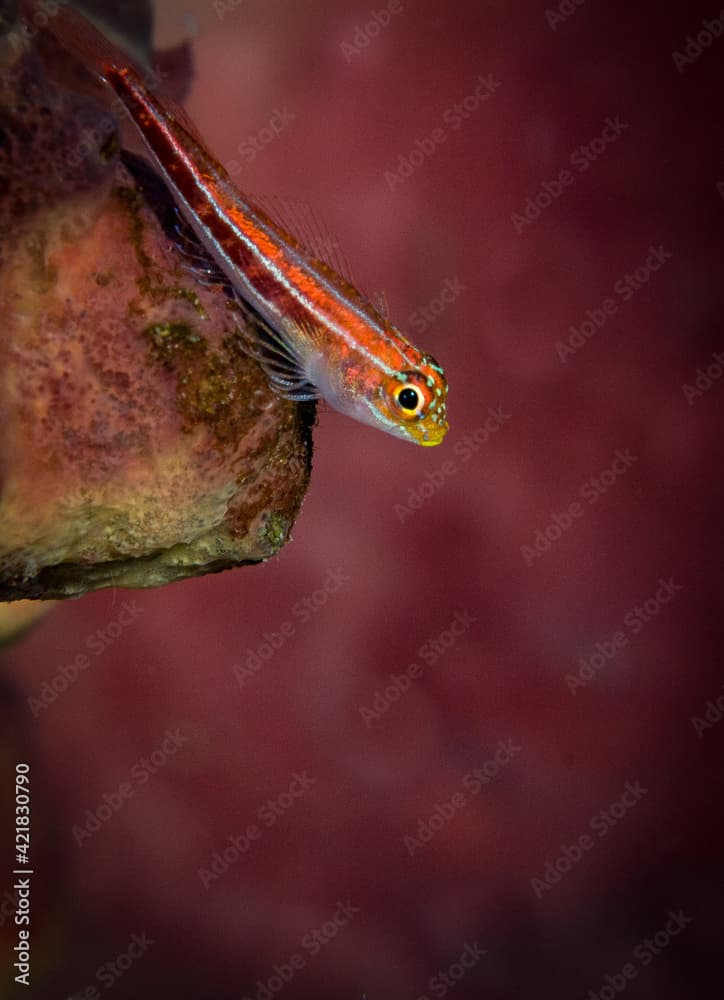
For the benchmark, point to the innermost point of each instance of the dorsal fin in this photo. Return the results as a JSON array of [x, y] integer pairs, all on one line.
[[379, 301], [305, 225], [174, 110]]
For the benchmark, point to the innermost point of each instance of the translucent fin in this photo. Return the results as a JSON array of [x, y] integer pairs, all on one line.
[[207, 279], [181, 117], [282, 357], [197, 261], [196, 256], [379, 301], [186, 242], [307, 228]]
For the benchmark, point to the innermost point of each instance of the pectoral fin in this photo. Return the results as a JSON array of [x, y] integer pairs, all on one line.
[[284, 356]]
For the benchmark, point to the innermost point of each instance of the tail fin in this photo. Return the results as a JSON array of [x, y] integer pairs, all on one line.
[[78, 35]]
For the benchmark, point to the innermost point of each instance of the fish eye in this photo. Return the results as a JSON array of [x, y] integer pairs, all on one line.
[[409, 399]]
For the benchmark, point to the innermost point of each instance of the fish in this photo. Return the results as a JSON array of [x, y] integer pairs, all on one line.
[[315, 334]]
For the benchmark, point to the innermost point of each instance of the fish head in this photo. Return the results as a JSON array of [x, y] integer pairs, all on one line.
[[409, 404], [415, 401]]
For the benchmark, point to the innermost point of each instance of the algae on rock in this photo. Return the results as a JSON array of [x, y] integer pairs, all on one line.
[[139, 444]]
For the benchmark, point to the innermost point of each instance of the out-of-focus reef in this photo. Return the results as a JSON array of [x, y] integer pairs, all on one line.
[[139, 444], [17, 618]]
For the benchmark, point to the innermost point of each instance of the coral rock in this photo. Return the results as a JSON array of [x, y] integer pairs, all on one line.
[[139, 444]]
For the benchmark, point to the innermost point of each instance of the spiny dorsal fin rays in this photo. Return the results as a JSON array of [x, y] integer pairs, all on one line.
[[305, 225], [379, 300], [302, 223], [180, 118]]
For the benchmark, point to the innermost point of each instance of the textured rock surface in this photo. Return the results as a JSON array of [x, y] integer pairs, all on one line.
[[138, 444]]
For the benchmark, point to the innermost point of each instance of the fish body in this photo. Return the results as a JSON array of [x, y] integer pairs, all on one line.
[[321, 337]]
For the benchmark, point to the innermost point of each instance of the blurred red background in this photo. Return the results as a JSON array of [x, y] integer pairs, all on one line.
[[315, 102]]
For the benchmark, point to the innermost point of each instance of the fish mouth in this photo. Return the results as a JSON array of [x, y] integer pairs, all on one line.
[[431, 442], [432, 437]]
